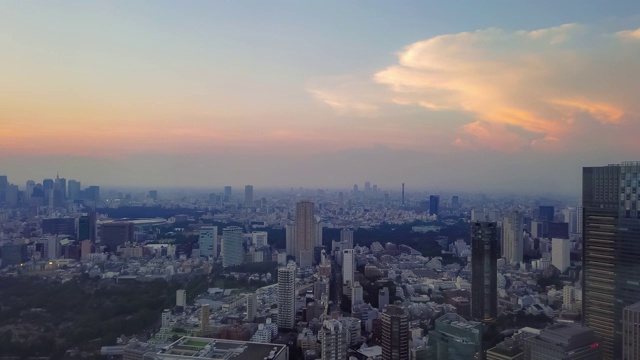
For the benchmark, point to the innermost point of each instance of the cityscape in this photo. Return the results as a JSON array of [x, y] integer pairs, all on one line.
[[320, 180]]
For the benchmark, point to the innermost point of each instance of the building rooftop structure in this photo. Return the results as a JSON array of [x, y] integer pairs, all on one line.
[[189, 347]]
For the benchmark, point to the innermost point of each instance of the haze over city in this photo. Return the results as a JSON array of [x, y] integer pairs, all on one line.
[[497, 96]]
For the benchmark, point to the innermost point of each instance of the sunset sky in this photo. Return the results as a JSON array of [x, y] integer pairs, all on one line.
[[443, 95]]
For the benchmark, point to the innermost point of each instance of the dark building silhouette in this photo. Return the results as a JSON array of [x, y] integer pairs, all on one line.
[[611, 250], [59, 226], [92, 193], [455, 202], [563, 341], [434, 204], [116, 233], [395, 334], [4, 184], [558, 230], [546, 213], [87, 227], [484, 271], [14, 254]]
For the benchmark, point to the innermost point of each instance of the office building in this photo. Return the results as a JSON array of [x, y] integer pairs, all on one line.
[[546, 213], [248, 195], [259, 239], [395, 334], [153, 194], [86, 227], [92, 194], [59, 226], [14, 254], [181, 298], [561, 253], [74, 190], [356, 292], [287, 297], [233, 250], [318, 237], [4, 183], [512, 348], [85, 249], [11, 195], [290, 234], [28, 190], [611, 250], [347, 266], [484, 271], [434, 204], [346, 236], [204, 318], [631, 332], [455, 338], [335, 340], [227, 194], [564, 341], [512, 237], [252, 306], [383, 298], [305, 233], [208, 241], [455, 202], [114, 234], [189, 347]]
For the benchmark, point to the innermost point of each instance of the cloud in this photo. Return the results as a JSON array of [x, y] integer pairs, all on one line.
[[520, 89]]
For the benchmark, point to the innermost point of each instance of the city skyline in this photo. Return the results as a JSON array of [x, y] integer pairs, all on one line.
[[282, 94]]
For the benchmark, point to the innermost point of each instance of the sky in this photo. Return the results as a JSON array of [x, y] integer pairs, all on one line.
[[511, 96]]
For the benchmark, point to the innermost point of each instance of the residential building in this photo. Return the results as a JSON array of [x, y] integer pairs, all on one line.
[[512, 237], [287, 296], [395, 334], [335, 340], [305, 233]]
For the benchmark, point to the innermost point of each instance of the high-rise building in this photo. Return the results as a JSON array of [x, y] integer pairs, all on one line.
[[204, 318], [434, 204], [86, 227], [611, 250], [14, 254], [4, 183], [395, 334], [11, 195], [153, 194], [356, 292], [484, 271], [455, 201], [455, 338], [248, 195], [561, 253], [28, 190], [61, 185], [85, 249], [181, 298], [305, 233], [335, 340], [290, 234], [631, 332], [347, 266], [208, 241], [346, 235], [59, 226], [383, 298], [232, 251], [546, 213], [402, 194], [227, 193], [259, 239], [116, 233], [74, 191], [252, 306], [563, 341], [512, 237], [92, 194], [287, 296], [319, 229]]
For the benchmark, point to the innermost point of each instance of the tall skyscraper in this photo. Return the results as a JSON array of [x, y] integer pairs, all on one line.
[[346, 235], [347, 266], [631, 332], [305, 233], [227, 193], [335, 340], [92, 194], [232, 251], [611, 250], [434, 204], [287, 296], [290, 234], [395, 334], [74, 191], [28, 189], [208, 241], [512, 233], [248, 195], [484, 271], [4, 183], [546, 213], [61, 184], [561, 253], [402, 194]]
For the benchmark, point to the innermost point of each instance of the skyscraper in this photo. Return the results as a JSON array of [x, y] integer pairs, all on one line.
[[631, 332], [181, 298], [512, 232], [208, 241], [259, 239], [252, 306], [611, 250], [305, 233], [347, 266], [346, 235], [290, 234], [287, 296], [434, 204], [227, 193], [561, 253], [335, 340], [395, 334], [74, 190], [4, 183], [248, 195], [232, 251], [546, 213], [484, 271], [402, 194]]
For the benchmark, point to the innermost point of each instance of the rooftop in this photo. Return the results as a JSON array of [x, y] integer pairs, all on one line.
[[189, 347]]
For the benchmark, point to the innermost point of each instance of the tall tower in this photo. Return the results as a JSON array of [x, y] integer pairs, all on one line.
[[287, 296], [232, 251], [305, 233], [227, 194], [512, 228], [434, 204], [204, 318], [395, 334], [248, 195], [347, 266], [402, 194], [484, 271], [560, 253], [208, 241], [610, 252], [290, 234]]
